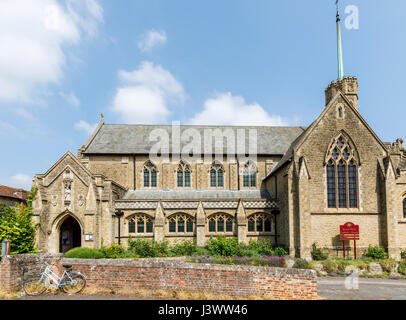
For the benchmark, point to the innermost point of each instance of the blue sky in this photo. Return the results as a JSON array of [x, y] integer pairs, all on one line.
[[231, 62]]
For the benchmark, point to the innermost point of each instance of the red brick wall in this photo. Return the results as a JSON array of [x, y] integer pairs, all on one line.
[[173, 275]]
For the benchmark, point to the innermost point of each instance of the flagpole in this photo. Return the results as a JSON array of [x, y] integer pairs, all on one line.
[[339, 47]]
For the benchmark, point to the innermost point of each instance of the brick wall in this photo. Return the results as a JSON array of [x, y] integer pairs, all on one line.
[[174, 275], [11, 268]]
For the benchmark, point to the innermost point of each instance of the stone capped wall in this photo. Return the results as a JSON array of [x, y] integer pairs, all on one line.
[[156, 274]]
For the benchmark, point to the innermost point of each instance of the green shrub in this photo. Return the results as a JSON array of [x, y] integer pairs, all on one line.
[[114, 251], [330, 265], [222, 246], [161, 248], [148, 249], [142, 248], [403, 255], [376, 253], [301, 264], [281, 252], [402, 268], [16, 225], [317, 253], [184, 248], [388, 264], [85, 253], [261, 247]]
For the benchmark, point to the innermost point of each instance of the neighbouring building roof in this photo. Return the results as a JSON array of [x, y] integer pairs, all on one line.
[[13, 193], [134, 139], [196, 194]]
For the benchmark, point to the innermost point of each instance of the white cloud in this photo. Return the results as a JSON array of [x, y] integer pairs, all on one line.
[[35, 35], [146, 93], [71, 98], [226, 109], [85, 126], [20, 180], [152, 39]]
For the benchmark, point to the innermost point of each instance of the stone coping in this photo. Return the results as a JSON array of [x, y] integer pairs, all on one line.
[[189, 265], [173, 262]]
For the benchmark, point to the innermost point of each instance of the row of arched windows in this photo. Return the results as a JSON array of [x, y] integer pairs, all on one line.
[[183, 175], [216, 223]]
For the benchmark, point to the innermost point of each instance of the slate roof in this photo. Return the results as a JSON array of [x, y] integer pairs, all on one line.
[[134, 139], [196, 195]]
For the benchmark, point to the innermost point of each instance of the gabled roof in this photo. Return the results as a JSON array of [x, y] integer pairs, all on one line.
[[302, 138], [134, 139]]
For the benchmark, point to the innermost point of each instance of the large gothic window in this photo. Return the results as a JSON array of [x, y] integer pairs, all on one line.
[[404, 208], [140, 224], [150, 175], [217, 175], [342, 166], [183, 175], [250, 175]]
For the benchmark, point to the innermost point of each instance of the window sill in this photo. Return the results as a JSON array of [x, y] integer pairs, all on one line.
[[181, 234], [250, 233]]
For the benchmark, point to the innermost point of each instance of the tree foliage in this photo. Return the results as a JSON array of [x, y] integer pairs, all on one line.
[[16, 225]]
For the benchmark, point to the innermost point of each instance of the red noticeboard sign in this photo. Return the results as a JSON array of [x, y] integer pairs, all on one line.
[[349, 231]]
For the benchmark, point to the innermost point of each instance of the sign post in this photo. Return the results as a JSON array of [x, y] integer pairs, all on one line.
[[349, 231]]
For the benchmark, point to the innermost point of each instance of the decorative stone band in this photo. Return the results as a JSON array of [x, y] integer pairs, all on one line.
[[260, 204], [123, 205], [180, 204], [257, 204]]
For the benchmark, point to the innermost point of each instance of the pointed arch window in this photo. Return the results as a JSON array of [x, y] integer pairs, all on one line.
[[181, 224], [221, 223], [260, 222], [250, 175], [404, 208], [183, 175], [217, 175], [140, 224], [150, 175], [342, 167]]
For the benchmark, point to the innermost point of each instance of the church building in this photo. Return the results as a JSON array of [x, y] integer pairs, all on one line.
[[302, 184]]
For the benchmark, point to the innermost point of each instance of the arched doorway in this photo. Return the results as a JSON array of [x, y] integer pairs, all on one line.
[[70, 235]]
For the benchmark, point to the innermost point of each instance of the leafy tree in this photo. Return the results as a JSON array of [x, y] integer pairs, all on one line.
[[16, 225]]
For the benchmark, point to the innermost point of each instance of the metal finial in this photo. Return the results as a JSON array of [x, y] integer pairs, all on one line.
[[338, 13]]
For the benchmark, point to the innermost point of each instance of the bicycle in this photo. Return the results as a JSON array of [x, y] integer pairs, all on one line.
[[70, 282]]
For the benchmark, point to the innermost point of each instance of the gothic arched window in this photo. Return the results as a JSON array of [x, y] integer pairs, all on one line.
[[140, 223], [260, 222], [250, 175], [404, 208], [181, 223], [342, 166], [183, 175], [150, 175], [217, 175], [221, 223]]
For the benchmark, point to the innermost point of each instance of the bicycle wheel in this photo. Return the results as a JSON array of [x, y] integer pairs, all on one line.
[[75, 284], [34, 285]]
